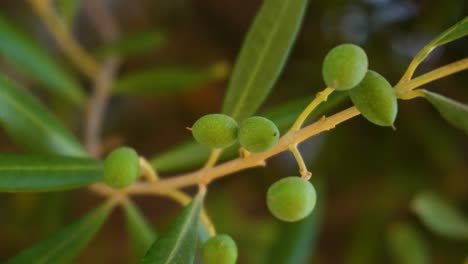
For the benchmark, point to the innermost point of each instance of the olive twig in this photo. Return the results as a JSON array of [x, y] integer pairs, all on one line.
[[433, 75], [305, 173], [83, 61], [214, 156], [147, 170], [319, 98]]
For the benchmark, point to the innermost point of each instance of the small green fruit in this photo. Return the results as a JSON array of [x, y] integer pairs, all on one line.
[[291, 199], [375, 99], [258, 134], [220, 249], [215, 131], [121, 167], [344, 66]]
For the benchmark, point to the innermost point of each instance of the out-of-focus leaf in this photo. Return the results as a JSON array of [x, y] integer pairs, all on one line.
[[190, 154], [68, 9], [262, 56], [29, 123], [296, 241], [25, 173], [67, 243], [141, 233], [177, 245], [30, 57], [166, 80], [440, 216], [407, 245], [134, 44], [454, 112]]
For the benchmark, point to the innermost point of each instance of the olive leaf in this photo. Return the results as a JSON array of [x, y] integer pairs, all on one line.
[[455, 32], [177, 245], [134, 43], [27, 173], [141, 233], [407, 245], [296, 241], [263, 55], [30, 125], [190, 154], [454, 112], [167, 80], [63, 246], [24, 52], [440, 216]]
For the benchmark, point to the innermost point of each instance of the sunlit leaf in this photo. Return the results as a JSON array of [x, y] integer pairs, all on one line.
[[63, 246], [190, 154], [134, 43], [24, 52], [455, 32], [296, 241], [177, 245], [30, 125], [141, 233], [454, 112], [167, 80], [263, 55], [26, 173], [440, 216], [407, 245]]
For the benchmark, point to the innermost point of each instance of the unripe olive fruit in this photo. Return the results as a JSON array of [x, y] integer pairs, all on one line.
[[344, 66], [258, 134], [121, 167], [291, 199], [215, 130], [375, 99], [220, 249]]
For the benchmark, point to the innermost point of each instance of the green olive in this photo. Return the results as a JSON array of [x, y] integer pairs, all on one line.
[[375, 99], [215, 131], [258, 134], [220, 249], [121, 167], [344, 66], [291, 199]]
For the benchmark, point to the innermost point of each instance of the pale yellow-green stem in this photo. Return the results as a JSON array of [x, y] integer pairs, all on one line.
[[305, 173], [83, 61], [319, 98]]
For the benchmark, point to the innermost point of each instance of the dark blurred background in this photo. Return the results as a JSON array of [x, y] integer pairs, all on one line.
[[367, 175]]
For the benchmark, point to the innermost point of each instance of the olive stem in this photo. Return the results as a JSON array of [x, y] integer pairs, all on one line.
[[147, 170], [67, 43], [305, 173], [411, 94], [420, 56], [319, 98], [433, 75], [214, 156]]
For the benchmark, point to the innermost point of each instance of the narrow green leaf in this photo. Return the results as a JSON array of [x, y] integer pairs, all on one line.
[[30, 57], [455, 32], [26, 173], [167, 80], [141, 232], [63, 246], [29, 123], [177, 245], [68, 9], [134, 44], [190, 154], [440, 216], [407, 245], [296, 241], [454, 112], [263, 55]]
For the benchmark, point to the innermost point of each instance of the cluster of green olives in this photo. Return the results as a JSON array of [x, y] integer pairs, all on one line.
[[256, 134], [219, 249], [345, 67]]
